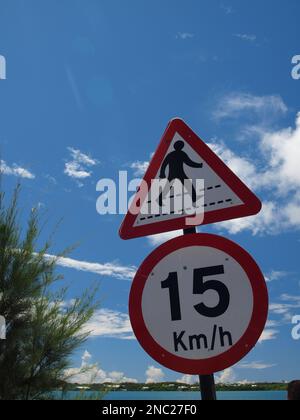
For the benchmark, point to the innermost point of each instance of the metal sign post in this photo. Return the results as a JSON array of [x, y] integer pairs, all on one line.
[[208, 388], [206, 382]]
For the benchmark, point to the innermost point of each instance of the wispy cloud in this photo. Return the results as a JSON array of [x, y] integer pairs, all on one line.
[[246, 37], [15, 170], [290, 298], [110, 324], [139, 168], [79, 166], [227, 9], [51, 179], [276, 275], [234, 104], [185, 35], [273, 324], [74, 88], [284, 309], [255, 365], [269, 334], [161, 238], [2, 67], [107, 269]]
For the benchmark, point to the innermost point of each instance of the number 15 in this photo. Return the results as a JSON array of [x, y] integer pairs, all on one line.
[[200, 287]]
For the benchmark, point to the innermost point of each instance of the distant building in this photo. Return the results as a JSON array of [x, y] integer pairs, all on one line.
[[113, 386]]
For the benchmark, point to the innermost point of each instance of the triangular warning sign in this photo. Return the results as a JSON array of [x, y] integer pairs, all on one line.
[[182, 154]]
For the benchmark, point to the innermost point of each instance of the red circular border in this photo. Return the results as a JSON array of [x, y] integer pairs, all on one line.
[[241, 348]]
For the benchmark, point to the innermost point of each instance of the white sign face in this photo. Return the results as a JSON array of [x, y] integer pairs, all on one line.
[[214, 193], [197, 302], [185, 185]]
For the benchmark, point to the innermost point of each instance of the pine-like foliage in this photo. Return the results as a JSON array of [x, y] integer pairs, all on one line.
[[43, 330]]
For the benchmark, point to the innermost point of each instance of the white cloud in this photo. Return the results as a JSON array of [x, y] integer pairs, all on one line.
[[82, 158], [272, 324], [2, 67], [282, 149], [286, 309], [154, 375], [185, 35], [273, 219], [246, 37], [272, 172], [263, 223], [268, 335], [139, 168], [291, 298], [276, 275], [78, 167], [74, 170], [276, 174], [245, 382], [110, 324], [255, 365], [228, 376], [15, 170], [120, 378], [188, 380], [283, 308], [235, 104], [227, 9], [86, 357], [89, 374], [108, 269], [156, 240], [241, 166]]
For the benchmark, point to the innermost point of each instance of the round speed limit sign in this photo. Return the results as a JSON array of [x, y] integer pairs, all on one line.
[[198, 304]]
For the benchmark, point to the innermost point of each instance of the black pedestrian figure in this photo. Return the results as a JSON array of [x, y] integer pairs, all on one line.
[[175, 161]]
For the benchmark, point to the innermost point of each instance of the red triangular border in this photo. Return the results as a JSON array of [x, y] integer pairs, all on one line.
[[252, 205]]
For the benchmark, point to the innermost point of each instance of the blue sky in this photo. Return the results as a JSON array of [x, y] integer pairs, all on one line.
[[90, 88]]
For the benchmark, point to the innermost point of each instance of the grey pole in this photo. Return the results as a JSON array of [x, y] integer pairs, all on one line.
[[207, 382]]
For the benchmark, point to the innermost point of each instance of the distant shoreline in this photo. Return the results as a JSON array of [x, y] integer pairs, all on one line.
[[174, 387]]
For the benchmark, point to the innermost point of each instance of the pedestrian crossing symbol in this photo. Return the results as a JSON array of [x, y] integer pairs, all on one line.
[[186, 185]]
